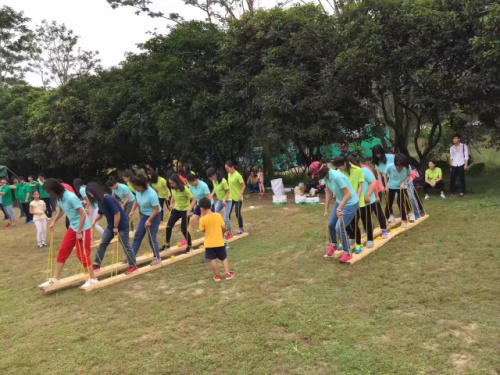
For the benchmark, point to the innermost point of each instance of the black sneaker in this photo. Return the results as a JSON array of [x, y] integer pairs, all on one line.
[[165, 247], [188, 250]]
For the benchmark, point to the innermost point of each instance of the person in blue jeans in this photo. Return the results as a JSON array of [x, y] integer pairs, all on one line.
[[346, 206], [149, 222], [109, 207]]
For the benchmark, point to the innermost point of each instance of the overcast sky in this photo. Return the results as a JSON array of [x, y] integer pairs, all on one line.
[[112, 32]]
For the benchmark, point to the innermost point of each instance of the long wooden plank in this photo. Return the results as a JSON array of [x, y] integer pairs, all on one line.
[[379, 242], [117, 267], [145, 269], [376, 233]]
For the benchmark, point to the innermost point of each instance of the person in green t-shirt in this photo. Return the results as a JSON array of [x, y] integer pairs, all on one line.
[[356, 178], [6, 194], [17, 195], [43, 194], [25, 198], [181, 206], [221, 192], [159, 184], [433, 180], [236, 189]]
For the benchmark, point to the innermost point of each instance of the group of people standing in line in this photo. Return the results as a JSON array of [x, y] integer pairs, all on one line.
[[187, 198], [359, 193]]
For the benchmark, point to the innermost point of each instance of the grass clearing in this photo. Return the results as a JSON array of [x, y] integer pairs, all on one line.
[[425, 303]]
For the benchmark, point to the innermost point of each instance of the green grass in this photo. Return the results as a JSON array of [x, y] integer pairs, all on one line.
[[425, 303]]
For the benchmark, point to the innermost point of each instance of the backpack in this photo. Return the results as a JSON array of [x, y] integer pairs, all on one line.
[[471, 160]]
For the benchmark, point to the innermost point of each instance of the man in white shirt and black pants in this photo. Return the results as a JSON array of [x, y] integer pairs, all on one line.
[[459, 160]]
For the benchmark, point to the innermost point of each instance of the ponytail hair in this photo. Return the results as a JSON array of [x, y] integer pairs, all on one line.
[[77, 184], [341, 160], [96, 193], [212, 172]]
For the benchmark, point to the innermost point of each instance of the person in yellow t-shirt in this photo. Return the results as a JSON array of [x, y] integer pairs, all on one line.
[[236, 189], [213, 226], [433, 180]]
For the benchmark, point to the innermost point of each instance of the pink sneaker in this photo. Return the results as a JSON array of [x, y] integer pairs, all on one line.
[[331, 250], [345, 258], [183, 242]]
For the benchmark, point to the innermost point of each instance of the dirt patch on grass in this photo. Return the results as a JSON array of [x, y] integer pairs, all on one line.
[[462, 362]]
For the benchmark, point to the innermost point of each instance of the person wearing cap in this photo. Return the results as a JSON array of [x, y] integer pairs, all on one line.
[[346, 205]]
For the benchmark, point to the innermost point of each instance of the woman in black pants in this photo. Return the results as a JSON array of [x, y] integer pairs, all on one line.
[[181, 206]]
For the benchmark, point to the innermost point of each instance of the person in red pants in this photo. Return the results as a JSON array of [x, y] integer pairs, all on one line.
[[77, 234]]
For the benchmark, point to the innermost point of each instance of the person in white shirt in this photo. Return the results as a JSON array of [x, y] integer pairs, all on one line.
[[459, 161]]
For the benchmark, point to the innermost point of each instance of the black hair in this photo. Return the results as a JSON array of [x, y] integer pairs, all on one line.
[[31, 176], [457, 135], [212, 172], [77, 184], [42, 174], [230, 163], [341, 160], [111, 182], [178, 182], [401, 160], [5, 178], [353, 159], [205, 203], [191, 177], [127, 174], [186, 169], [96, 193], [139, 180], [51, 185], [378, 149], [153, 177], [21, 178]]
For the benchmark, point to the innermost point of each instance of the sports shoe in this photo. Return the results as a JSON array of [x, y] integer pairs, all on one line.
[[165, 247], [384, 234], [188, 250], [96, 267], [217, 278], [426, 197], [331, 250], [46, 284], [370, 244], [229, 235], [339, 247], [229, 275], [391, 219], [239, 232], [155, 262], [412, 218], [403, 224], [443, 196], [131, 270], [88, 283], [45, 244], [40, 245], [345, 258], [183, 242], [358, 249], [417, 216]]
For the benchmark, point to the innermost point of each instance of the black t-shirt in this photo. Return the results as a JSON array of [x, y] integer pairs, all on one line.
[[109, 208]]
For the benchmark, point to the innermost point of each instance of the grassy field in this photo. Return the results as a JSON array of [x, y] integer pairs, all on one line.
[[428, 302]]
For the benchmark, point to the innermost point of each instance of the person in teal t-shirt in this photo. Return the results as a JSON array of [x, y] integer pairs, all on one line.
[[346, 206], [356, 179], [396, 179]]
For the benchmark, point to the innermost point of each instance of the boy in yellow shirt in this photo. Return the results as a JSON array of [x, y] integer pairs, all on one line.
[[214, 227]]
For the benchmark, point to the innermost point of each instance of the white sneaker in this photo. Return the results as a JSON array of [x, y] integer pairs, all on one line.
[[443, 196], [88, 283], [403, 224], [391, 219], [412, 218], [426, 197], [46, 284]]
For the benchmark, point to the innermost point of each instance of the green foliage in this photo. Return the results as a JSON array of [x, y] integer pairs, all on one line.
[[16, 44]]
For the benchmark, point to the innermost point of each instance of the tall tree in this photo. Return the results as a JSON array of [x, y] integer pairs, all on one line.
[[60, 58], [17, 44]]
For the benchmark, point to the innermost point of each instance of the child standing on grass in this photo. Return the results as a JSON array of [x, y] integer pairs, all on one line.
[[260, 181], [213, 226], [37, 209]]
